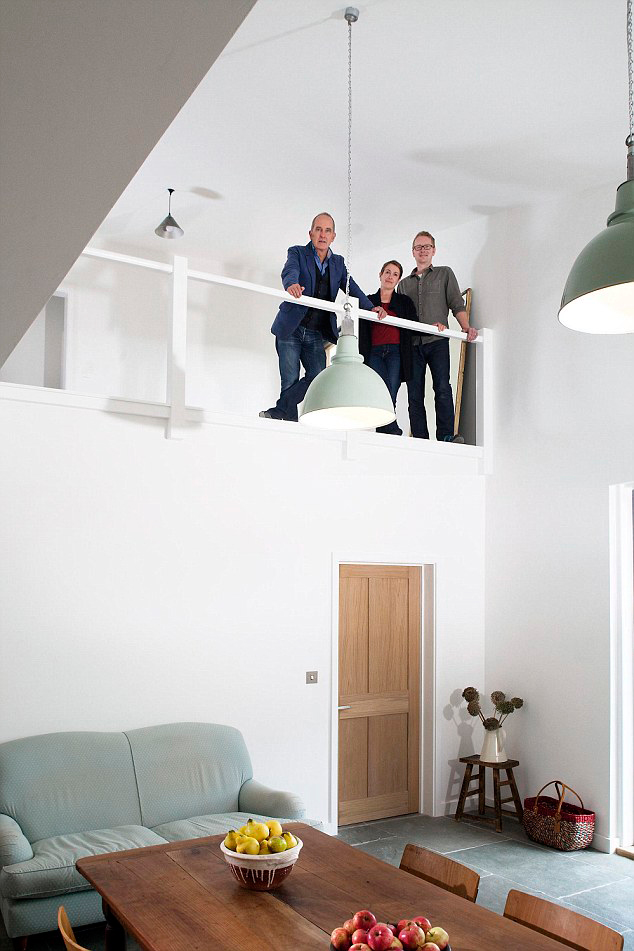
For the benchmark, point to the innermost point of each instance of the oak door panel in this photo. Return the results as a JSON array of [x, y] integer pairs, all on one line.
[[379, 686]]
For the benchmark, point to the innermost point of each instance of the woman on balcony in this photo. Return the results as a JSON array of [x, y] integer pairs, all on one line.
[[385, 348]]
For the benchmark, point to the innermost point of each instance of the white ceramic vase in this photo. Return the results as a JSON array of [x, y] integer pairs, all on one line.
[[493, 747]]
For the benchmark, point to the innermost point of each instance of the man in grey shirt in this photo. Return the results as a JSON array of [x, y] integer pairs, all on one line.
[[434, 291]]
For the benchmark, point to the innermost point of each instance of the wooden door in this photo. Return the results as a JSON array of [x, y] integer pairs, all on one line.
[[379, 691]]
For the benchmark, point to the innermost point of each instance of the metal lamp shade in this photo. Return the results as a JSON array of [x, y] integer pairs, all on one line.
[[599, 293], [169, 228], [347, 394]]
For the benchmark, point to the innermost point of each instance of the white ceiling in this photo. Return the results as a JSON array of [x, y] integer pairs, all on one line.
[[461, 108]]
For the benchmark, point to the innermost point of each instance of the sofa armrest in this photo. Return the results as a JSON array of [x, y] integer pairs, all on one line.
[[14, 845], [254, 797]]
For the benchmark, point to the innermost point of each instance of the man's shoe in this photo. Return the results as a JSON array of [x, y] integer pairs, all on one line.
[[265, 414], [458, 438]]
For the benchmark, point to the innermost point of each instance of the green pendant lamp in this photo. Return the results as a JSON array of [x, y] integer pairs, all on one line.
[[348, 394], [599, 293]]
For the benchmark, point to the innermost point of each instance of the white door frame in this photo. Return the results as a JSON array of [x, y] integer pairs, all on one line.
[[427, 724], [621, 666]]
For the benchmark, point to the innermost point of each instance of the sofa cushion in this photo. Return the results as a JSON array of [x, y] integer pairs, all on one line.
[[52, 870], [188, 769], [54, 784], [198, 826]]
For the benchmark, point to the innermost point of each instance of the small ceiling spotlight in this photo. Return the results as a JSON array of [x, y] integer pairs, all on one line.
[[169, 228]]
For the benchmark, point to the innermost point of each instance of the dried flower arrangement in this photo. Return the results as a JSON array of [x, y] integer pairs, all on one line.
[[502, 707]]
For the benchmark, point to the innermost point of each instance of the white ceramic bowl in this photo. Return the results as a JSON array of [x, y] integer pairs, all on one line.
[[261, 873]]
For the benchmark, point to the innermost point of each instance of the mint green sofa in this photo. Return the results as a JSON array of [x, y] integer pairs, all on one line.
[[67, 795]]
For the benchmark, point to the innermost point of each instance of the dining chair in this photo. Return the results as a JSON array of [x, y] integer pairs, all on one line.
[[67, 931], [439, 870], [570, 928]]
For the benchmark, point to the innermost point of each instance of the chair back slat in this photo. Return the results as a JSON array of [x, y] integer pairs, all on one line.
[[572, 929], [67, 932], [439, 870]]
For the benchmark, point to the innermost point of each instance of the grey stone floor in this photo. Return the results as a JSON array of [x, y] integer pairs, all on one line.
[[592, 883]]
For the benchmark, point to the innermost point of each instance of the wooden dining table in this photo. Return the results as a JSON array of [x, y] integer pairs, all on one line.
[[182, 897]]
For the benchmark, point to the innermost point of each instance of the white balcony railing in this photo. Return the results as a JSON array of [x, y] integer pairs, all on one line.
[[175, 411]]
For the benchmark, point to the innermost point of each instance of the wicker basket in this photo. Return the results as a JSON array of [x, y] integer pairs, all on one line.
[[557, 823]]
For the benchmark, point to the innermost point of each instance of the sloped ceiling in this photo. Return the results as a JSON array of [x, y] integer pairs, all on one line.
[[460, 109], [86, 90]]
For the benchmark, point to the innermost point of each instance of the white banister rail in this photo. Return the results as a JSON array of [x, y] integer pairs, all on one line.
[[177, 347]]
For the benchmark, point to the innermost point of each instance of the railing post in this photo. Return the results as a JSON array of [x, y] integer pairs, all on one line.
[[484, 400], [177, 351]]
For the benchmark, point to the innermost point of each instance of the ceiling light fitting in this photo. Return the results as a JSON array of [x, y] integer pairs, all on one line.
[[348, 394], [599, 293], [169, 228]]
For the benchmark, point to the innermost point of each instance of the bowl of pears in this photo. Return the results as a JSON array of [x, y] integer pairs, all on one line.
[[260, 854]]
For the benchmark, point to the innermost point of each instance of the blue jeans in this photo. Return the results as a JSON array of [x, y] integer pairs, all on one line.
[[303, 346], [385, 359], [434, 355]]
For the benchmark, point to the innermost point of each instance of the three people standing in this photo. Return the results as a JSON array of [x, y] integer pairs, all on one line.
[[397, 355]]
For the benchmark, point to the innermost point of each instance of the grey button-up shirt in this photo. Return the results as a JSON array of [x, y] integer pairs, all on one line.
[[434, 292]]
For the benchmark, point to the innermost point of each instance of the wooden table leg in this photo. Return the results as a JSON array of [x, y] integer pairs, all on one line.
[[481, 791], [463, 791], [497, 799], [516, 796], [115, 932]]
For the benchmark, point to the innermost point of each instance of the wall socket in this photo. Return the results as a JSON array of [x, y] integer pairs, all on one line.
[[311, 676]]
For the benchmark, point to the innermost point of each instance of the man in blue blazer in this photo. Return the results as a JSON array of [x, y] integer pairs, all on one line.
[[301, 332]]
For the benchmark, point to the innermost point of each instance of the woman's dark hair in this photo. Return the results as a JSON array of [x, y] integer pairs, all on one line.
[[396, 263]]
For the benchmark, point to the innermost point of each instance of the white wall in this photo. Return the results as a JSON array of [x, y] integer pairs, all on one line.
[[564, 422], [154, 580]]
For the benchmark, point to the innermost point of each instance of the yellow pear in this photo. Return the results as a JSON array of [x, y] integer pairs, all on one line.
[[258, 830], [277, 844], [274, 827], [290, 840], [248, 846], [264, 848], [243, 829], [231, 840]]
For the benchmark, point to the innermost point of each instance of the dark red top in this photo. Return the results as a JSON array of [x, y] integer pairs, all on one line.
[[384, 333]]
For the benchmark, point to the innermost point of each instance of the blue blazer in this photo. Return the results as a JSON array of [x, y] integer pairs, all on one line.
[[300, 268]]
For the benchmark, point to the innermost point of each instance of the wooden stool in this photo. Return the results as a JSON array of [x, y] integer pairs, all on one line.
[[508, 766]]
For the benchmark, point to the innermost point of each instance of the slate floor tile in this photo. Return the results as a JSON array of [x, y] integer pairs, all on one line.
[[614, 862], [364, 832], [615, 901], [494, 889], [544, 871], [441, 834]]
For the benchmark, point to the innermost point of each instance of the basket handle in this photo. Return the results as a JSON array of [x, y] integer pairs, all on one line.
[[561, 788]]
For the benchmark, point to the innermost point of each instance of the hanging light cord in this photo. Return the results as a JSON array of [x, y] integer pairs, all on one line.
[[630, 75], [347, 304]]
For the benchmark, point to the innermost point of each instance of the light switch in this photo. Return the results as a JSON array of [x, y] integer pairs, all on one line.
[[311, 676]]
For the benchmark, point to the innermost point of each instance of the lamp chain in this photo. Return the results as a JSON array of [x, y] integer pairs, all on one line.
[[630, 67], [347, 303]]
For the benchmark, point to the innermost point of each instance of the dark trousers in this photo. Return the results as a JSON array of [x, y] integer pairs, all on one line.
[[305, 347], [385, 359], [434, 355]]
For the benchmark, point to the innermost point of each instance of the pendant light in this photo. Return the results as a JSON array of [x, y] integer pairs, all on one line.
[[599, 293], [169, 228], [348, 394]]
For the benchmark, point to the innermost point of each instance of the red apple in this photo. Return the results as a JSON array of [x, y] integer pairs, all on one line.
[[422, 922], [438, 936], [360, 947], [349, 926], [394, 929], [429, 946], [360, 936], [396, 944], [411, 937], [364, 919], [340, 939], [380, 937], [405, 923]]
